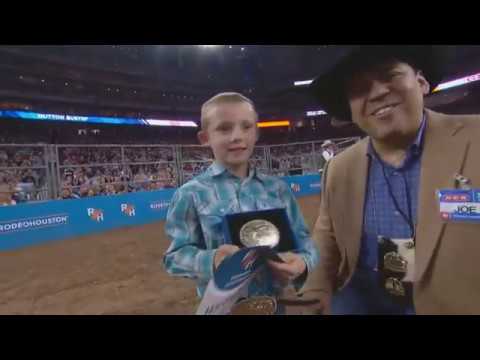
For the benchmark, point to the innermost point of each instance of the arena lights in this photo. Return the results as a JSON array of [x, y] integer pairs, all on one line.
[[458, 82], [447, 85], [155, 122], [316, 113], [277, 123], [27, 115], [303, 83]]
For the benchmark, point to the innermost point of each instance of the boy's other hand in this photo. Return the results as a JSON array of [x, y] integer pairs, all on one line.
[[223, 252]]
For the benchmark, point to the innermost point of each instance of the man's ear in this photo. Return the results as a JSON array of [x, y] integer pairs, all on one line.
[[203, 137], [424, 84]]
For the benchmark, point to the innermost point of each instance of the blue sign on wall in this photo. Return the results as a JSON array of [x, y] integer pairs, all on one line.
[[29, 224], [304, 185]]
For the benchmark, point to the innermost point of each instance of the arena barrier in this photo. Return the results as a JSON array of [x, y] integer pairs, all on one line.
[[34, 223]]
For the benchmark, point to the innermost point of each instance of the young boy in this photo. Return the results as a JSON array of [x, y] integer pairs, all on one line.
[[230, 185]]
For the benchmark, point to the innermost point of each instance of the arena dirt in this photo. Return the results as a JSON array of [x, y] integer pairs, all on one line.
[[117, 272]]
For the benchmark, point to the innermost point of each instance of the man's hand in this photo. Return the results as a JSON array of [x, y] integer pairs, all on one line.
[[223, 252], [286, 272]]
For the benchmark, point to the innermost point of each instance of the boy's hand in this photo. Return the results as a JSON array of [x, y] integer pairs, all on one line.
[[223, 252], [292, 267]]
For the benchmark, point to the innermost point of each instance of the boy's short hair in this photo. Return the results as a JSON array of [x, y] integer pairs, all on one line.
[[223, 98]]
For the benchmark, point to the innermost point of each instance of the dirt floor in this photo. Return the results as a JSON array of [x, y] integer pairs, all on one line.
[[118, 272]]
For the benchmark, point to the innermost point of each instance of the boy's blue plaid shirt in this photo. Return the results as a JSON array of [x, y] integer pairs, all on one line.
[[195, 215]]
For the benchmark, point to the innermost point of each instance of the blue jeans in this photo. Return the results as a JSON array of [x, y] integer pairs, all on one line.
[[364, 295]]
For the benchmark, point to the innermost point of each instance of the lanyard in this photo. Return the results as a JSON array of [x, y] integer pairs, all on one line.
[[407, 217]]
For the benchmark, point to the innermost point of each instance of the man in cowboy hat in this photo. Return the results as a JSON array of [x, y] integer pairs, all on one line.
[[328, 148], [398, 228], [328, 151]]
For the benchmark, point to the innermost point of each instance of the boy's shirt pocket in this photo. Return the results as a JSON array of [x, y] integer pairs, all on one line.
[[211, 220]]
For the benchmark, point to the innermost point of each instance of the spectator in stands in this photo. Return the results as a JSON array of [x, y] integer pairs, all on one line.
[[3, 158], [67, 194], [141, 179], [68, 172], [329, 149], [17, 159], [25, 186], [110, 189], [3, 155], [77, 177], [164, 174], [67, 181], [161, 184], [37, 159], [119, 188], [82, 191], [27, 177], [26, 162], [99, 177], [6, 193]]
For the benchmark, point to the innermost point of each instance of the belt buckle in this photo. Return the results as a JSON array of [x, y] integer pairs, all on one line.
[[394, 287], [257, 305], [393, 261]]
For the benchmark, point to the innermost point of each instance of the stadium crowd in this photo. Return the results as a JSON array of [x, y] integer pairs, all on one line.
[[85, 171]]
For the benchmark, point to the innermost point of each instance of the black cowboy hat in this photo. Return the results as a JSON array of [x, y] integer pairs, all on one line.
[[328, 87]]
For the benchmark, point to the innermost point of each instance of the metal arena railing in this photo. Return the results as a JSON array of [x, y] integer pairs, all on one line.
[[31, 172]]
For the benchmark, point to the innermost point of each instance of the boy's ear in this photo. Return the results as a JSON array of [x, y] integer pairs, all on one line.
[[203, 137]]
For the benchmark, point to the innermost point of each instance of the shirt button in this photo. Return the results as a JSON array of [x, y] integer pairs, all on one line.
[[397, 213]]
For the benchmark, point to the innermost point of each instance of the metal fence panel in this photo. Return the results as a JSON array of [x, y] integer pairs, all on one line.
[[66, 171]]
